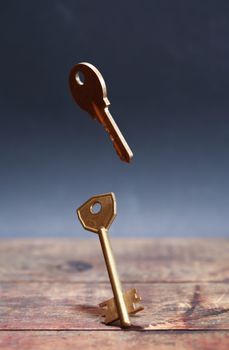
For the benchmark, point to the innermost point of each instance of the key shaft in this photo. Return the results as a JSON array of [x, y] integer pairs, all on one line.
[[114, 278], [121, 146]]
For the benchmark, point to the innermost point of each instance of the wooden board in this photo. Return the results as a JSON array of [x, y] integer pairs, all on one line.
[[145, 260], [55, 305], [126, 340], [50, 290]]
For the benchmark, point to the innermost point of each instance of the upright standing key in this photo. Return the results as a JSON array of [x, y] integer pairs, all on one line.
[[91, 95], [99, 222]]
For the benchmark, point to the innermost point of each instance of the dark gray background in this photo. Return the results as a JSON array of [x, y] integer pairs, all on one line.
[[166, 65]]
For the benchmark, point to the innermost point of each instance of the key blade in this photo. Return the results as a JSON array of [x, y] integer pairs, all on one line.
[[121, 146], [132, 300], [109, 311], [93, 220]]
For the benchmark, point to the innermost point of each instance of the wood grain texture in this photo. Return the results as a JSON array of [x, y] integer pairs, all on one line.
[[126, 340], [143, 260], [50, 290], [56, 305]]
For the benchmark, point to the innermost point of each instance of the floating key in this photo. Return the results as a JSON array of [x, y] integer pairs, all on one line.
[[99, 221], [88, 89]]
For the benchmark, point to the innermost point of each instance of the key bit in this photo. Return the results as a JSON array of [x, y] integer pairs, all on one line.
[[99, 221], [90, 93], [109, 310]]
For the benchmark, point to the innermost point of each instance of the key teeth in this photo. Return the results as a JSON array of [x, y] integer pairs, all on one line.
[[135, 305], [108, 308], [137, 297]]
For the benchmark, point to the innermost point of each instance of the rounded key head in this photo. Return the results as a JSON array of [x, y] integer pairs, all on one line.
[[97, 212], [88, 87]]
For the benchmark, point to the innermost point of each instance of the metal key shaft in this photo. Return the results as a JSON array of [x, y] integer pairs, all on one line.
[[114, 277]]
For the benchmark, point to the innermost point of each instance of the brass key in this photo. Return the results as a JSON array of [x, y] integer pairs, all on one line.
[[99, 222], [91, 95]]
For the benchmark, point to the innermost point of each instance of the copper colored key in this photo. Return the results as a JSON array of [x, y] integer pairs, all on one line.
[[88, 89]]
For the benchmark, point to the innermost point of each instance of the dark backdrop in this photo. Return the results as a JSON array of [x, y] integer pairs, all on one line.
[[166, 65]]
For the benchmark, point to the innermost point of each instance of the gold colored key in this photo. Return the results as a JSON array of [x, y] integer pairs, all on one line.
[[99, 221], [91, 95]]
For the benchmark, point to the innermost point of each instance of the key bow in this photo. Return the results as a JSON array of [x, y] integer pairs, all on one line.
[[91, 90], [93, 221]]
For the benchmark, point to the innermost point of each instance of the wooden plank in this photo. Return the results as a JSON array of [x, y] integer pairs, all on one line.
[[55, 305], [125, 340], [143, 260]]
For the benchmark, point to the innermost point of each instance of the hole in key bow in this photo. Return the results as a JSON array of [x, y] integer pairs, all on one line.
[[80, 79], [95, 208]]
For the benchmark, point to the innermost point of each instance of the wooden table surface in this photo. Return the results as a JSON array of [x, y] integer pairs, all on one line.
[[50, 290]]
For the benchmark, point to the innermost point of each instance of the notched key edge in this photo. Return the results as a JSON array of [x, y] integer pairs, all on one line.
[[109, 311], [125, 156]]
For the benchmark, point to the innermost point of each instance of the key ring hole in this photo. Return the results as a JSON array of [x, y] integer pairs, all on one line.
[[80, 79], [96, 208]]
